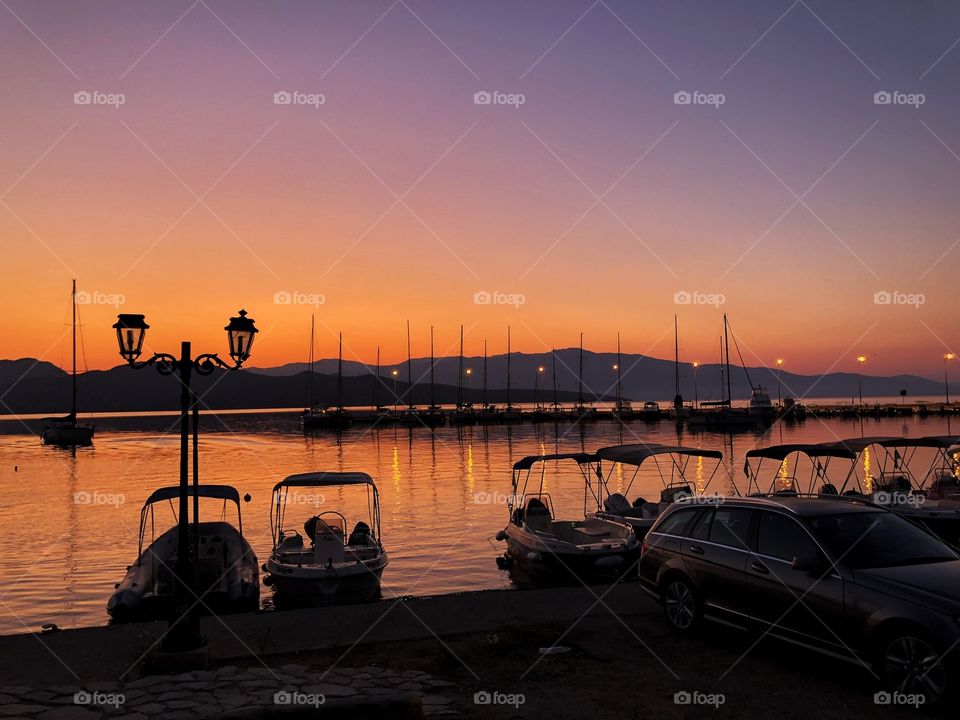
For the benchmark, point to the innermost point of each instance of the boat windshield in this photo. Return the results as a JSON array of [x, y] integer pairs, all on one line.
[[863, 540]]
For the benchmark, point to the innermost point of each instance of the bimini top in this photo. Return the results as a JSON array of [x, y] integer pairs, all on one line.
[[636, 454], [221, 492], [529, 461], [317, 479], [780, 452], [934, 441], [858, 445]]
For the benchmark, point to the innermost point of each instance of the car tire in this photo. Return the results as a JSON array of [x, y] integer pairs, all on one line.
[[680, 603], [909, 662]]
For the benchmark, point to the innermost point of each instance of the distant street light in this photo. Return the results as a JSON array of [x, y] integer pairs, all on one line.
[[696, 396], [946, 383], [396, 399], [779, 386], [183, 630], [469, 373], [861, 359]]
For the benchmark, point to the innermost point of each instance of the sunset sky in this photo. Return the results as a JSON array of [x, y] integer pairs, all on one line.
[[596, 201]]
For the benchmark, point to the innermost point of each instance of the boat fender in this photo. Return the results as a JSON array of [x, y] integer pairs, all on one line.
[[534, 557], [268, 580], [263, 567], [502, 535]]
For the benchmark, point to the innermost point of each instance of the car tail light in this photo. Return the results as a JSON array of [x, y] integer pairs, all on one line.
[[644, 547]]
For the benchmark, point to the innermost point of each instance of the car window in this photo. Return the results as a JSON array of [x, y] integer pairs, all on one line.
[[676, 522], [731, 526], [701, 526], [782, 537]]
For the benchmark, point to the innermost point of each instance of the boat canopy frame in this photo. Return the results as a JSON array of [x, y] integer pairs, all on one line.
[[227, 493], [586, 463], [318, 479], [898, 455], [820, 455], [679, 456]]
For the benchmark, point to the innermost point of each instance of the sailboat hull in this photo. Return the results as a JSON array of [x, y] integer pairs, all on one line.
[[68, 435]]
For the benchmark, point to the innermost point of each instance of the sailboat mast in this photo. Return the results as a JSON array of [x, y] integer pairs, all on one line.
[[73, 306], [484, 373], [340, 374], [508, 366], [376, 383], [432, 403], [580, 375], [460, 373], [726, 347], [676, 358], [409, 368], [310, 398], [553, 353], [619, 391]]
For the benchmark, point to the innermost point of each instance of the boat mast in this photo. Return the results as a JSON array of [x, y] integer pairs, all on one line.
[[484, 373], [677, 398], [726, 347], [508, 367], [376, 383], [460, 373], [409, 369], [340, 374], [553, 353], [310, 400], [619, 392], [73, 305], [432, 403], [580, 375]]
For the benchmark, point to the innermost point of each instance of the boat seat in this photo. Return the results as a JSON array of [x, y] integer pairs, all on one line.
[[639, 501], [616, 504], [829, 489], [538, 515], [360, 534]]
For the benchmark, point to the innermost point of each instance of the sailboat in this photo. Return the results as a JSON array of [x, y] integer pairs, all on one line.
[[622, 410], [679, 411], [381, 413], [464, 413], [509, 414], [410, 416], [339, 418], [66, 431], [433, 417], [721, 413], [582, 411], [489, 414], [312, 415]]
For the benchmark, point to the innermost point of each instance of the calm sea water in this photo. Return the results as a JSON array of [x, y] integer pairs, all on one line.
[[70, 518]]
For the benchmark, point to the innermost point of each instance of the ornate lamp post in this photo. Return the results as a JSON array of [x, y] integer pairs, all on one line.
[[183, 632]]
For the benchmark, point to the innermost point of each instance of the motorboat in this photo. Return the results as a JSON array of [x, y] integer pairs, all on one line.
[[327, 565], [586, 548], [488, 415], [671, 469], [66, 431], [791, 461], [650, 411], [760, 404], [623, 410], [226, 581]]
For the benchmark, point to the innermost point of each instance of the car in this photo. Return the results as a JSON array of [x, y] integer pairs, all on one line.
[[839, 576]]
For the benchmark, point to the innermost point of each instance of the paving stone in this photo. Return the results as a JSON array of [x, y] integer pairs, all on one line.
[[434, 700], [39, 696], [410, 685], [208, 710], [4, 699], [20, 709], [294, 669], [150, 709], [72, 713], [15, 690], [182, 704]]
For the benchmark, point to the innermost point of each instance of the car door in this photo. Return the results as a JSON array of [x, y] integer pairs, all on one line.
[[802, 605], [661, 546], [715, 555]]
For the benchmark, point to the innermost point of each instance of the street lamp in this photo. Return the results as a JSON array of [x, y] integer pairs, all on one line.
[[183, 631], [946, 384], [536, 386], [696, 396], [396, 398], [779, 386], [861, 359]]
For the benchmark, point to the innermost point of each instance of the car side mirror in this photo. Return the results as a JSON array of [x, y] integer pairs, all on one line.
[[808, 564]]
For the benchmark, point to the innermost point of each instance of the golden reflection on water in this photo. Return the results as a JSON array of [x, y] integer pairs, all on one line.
[[700, 478], [867, 472]]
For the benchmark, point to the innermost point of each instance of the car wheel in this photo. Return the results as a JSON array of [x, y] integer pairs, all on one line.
[[911, 664], [681, 604]]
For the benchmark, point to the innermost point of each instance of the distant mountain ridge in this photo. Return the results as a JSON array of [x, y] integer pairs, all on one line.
[[32, 386]]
